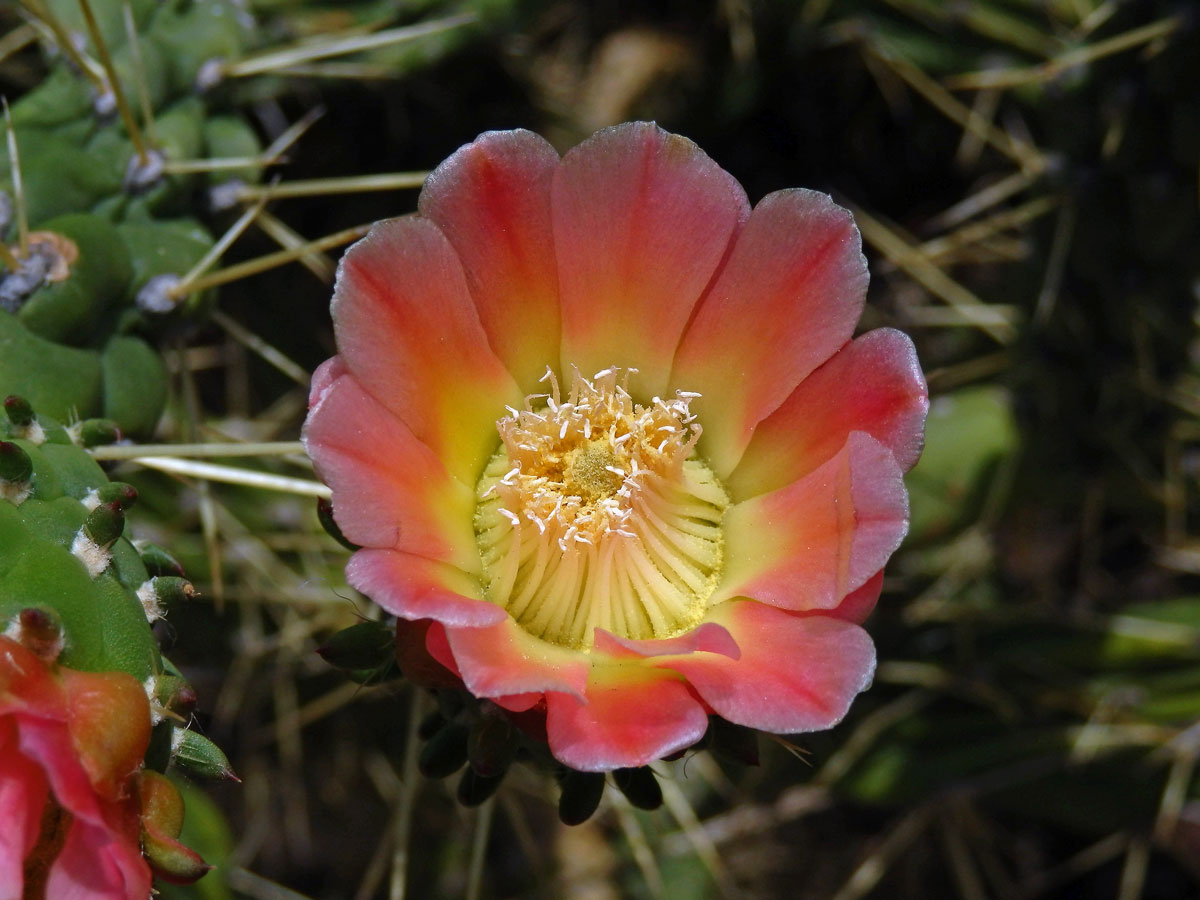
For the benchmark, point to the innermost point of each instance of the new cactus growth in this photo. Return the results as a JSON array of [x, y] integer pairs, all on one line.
[[105, 204], [76, 597]]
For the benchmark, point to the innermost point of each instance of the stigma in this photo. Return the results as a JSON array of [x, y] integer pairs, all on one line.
[[596, 512]]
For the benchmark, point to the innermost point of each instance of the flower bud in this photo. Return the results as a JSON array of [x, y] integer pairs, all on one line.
[[162, 820], [367, 645], [124, 495], [491, 746], [198, 755], [173, 692], [15, 464], [733, 742], [104, 524], [19, 412], [325, 515], [581, 793], [444, 753], [414, 659], [95, 432], [23, 423], [430, 725], [40, 630], [158, 561], [161, 591], [639, 786], [474, 789], [100, 531]]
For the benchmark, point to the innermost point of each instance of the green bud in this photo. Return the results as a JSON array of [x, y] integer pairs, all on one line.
[[735, 743], [162, 821], [451, 702], [444, 753], [173, 589], [492, 746], [431, 725], [118, 492], [198, 755], [639, 786], [95, 432], [325, 516], [367, 645], [172, 861], [474, 789], [158, 561], [581, 793], [15, 465], [40, 630], [20, 413], [104, 524], [173, 692]]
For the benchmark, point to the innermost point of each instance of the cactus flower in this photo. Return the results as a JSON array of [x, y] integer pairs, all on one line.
[[604, 430], [71, 745]]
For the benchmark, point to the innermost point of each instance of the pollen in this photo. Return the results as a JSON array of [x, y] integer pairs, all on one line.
[[596, 512]]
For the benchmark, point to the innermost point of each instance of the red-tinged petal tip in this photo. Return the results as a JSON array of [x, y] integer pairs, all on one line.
[[504, 659], [407, 329], [859, 604], [786, 300], [325, 375], [491, 199], [796, 673], [807, 545], [631, 716], [642, 219], [414, 587], [873, 384], [389, 490]]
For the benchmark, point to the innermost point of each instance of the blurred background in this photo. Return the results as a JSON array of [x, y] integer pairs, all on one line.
[[1024, 173]]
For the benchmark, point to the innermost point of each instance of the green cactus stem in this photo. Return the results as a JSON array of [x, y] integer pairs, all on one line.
[[197, 755]]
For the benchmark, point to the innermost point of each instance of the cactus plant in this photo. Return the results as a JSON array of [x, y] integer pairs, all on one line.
[[78, 601]]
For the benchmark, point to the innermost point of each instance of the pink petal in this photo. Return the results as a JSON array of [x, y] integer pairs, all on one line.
[[807, 545], [389, 490], [98, 864], [420, 661], [110, 725], [26, 684], [23, 793], [414, 587], [859, 604], [408, 331], [519, 702], [788, 297], [49, 743], [492, 201], [633, 715], [505, 659], [873, 384], [642, 219], [707, 637], [325, 375], [438, 645], [796, 673]]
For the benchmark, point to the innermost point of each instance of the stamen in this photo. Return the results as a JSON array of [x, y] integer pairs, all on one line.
[[626, 521]]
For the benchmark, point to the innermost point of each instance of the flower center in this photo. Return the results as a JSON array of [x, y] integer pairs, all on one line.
[[595, 513]]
